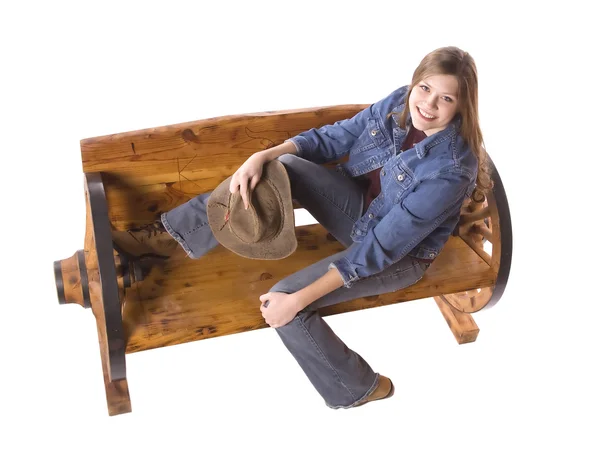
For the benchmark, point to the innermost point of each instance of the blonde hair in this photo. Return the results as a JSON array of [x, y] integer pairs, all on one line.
[[455, 62]]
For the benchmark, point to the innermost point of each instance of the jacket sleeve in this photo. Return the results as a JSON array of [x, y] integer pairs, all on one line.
[[404, 227], [332, 141]]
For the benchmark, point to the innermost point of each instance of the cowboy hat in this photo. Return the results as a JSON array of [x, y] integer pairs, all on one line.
[[266, 230]]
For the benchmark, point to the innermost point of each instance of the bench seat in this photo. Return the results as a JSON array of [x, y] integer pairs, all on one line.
[[192, 299]]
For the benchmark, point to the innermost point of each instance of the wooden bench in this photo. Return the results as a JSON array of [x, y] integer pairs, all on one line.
[[130, 178]]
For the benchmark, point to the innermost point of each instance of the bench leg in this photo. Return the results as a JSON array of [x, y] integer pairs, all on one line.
[[117, 392], [461, 324]]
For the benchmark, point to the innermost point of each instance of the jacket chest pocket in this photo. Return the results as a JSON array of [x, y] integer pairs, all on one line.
[[376, 133], [401, 180], [372, 137]]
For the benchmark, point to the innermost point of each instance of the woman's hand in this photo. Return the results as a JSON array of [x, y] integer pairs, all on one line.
[[281, 309], [249, 172]]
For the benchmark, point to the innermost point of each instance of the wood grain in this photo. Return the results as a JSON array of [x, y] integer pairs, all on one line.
[[461, 324], [197, 151], [218, 294]]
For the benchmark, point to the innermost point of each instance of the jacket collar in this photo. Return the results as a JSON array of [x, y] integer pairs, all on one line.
[[449, 133]]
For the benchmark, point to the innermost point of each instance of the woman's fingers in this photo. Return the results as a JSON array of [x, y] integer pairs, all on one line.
[[242, 185], [244, 191], [233, 185], [255, 181], [246, 186]]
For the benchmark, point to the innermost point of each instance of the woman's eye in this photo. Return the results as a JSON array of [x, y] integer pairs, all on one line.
[[426, 89]]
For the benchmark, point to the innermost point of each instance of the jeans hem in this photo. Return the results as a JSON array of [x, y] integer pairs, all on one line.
[[176, 236], [369, 391]]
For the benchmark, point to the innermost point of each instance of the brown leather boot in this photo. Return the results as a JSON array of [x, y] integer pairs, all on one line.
[[151, 239], [385, 389]]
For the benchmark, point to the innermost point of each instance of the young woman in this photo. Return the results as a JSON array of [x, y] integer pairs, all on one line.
[[414, 157]]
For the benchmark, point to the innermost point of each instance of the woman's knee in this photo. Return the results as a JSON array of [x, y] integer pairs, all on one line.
[[296, 166], [281, 287], [291, 163], [287, 158]]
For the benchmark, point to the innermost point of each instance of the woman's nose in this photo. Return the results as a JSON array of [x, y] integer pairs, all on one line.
[[431, 99]]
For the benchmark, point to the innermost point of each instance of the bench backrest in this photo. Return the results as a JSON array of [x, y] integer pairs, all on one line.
[[162, 167]]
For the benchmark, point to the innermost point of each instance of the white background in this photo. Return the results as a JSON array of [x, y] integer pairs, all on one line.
[[525, 391]]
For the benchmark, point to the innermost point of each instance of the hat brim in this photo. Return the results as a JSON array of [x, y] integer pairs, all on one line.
[[278, 247]]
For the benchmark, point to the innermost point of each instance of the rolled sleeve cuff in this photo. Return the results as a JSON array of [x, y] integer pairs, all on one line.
[[346, 270], [301, 143]]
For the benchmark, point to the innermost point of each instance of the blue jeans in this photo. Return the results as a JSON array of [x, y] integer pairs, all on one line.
[[341, 376]]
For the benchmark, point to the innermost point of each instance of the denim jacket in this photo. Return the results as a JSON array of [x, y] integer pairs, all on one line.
[[422, 188]]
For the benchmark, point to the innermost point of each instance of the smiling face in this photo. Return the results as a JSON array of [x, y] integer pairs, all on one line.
[[433, 103]]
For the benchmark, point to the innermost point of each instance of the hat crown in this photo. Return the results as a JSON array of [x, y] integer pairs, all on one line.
[[262, 220], [266, 229]]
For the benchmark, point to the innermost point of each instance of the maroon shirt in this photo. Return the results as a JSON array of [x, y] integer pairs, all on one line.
[[371, 179]]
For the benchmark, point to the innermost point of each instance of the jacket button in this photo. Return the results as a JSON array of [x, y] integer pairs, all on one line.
[[382, 172], [401, 177], [371, 215], [373, 132]]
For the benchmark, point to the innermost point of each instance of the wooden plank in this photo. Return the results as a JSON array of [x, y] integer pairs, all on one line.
[[483, 230], [133, 205], [470, 301], [461, 324], [218, 294], [210, 148], [468, 239]]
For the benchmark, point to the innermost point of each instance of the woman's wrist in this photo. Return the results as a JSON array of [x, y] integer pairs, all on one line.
[[299, 303], [325, 284], [275, 152], [301, 300]]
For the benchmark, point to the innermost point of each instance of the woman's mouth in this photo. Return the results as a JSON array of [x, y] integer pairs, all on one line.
[[424, 115]]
